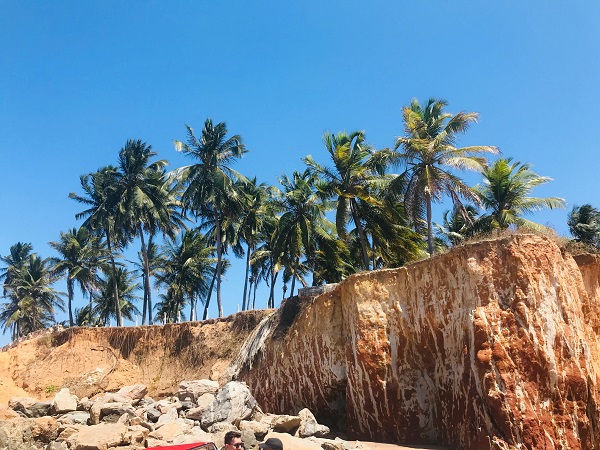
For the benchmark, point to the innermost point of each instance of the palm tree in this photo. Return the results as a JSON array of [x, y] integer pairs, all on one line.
[[505, 194], [32, 300], [456, 228], [210, 184], [104, 217], [429, 153], [302, 221], [127, 286], [148, 203], [584, 224], [356, 170], [186, 267], [81, 255], [251, 223]]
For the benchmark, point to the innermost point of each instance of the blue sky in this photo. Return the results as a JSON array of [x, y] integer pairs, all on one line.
[[77, 79]]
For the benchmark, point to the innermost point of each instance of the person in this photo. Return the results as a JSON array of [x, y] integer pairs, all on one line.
[[272, 444], [233, 441]]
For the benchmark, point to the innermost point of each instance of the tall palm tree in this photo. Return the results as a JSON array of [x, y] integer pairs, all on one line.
[[105, 218], [147, 202], [302, 221], [250, 223], [505, 191], [81, 255], [429, 153], [356, 170], [32, 301], [584, 224], [209, 185]]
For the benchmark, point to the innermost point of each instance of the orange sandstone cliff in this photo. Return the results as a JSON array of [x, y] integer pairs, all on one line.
[[492, 345]]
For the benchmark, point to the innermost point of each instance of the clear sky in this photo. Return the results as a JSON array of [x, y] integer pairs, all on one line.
[[77, 79]]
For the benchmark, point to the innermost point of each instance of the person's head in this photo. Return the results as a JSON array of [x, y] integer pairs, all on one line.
[[233, 440], [272, 444]]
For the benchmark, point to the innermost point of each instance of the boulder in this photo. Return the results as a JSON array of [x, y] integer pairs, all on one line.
[[136, 435], [109, 412], [167, 416], [64, 402], [44, 429], [258, 429], [57, 445], [192, 390], [281, 423], [99, 437], [40, 409], [153, 414], [204, 403], [8, 413], [167, 432], [233, 402], [134, 392], [22, 405], [16, 434], [309, 425], [77, 417]]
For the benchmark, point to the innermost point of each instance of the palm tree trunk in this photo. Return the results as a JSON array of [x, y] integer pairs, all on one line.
[[361, 234], [192, 308], [146, 269], [429, 226], [219, 268], [254, 297], [246, 280], [294, 278], [90, 312], [114, 281], [212, 285], [70, 295], [272, 293]]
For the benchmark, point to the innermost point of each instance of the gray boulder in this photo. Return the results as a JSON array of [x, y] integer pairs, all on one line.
[[309, 425], [64, 402], [233, 402], [192, 390]]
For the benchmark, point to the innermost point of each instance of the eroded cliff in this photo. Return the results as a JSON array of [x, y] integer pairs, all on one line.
[[492, 345]]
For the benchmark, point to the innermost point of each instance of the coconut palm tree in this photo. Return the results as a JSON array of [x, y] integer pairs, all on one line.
[[302, 221], [81, 255], [32, 301], [357, 170], [584, 224], [147, 203], [18, 255], [505, 192], [186, 268], [456, 228], [429, 153], [209, 185], [104, 218], [250, 223], [127, 286]]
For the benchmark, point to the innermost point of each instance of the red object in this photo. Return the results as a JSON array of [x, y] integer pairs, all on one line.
[[193, 446]]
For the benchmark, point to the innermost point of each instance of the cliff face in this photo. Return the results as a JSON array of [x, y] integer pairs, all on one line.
[[492, 345]]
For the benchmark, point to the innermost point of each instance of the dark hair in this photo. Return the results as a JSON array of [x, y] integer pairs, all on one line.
[[231, 435]]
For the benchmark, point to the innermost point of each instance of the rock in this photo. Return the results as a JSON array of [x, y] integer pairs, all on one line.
[[64, 402], [57, 445], [153, 414], [187, 405], [233, 402], [7, 413], [77, 417], [167, 416], [68, 430], [136, 435], [40, 409], [22, 405], [249, 440], [99, 437], [84, 404], [204, 403], [309, 426], [192, 390], [167, 432], [135, 392], [221, 428], [258, 429], [44, 429], [281, 423], [16, 434]]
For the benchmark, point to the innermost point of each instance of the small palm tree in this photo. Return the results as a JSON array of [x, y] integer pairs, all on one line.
[[127, 286], [505, 191], [429, 152], [32, 301], [584, 224], [18, 255]]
